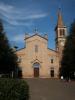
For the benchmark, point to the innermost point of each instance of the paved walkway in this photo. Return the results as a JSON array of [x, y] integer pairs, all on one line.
[[48, 89]]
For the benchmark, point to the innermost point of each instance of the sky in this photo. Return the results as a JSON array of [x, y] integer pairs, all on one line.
[[23, 16]]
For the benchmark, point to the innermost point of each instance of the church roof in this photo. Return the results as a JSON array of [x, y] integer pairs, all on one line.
[[36, 34], [20, 49], [52, 50]]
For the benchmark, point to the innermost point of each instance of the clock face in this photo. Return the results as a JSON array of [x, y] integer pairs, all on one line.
[[62, 43]]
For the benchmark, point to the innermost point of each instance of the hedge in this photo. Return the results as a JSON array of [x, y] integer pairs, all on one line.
[[13, 89]]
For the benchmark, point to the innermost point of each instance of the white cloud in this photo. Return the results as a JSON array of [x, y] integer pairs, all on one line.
[[18, 38], [16, 16], [6, 8]]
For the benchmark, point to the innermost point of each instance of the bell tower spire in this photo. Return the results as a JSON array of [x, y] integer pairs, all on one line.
[[61, 33], [60, 21]]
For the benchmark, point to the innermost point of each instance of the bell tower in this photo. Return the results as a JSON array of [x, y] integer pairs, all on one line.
[[61, 33]]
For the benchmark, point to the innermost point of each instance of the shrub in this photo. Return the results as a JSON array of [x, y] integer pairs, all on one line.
[[14, 89]]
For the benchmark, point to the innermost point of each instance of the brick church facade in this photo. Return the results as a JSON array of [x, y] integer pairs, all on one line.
[[36, 59]]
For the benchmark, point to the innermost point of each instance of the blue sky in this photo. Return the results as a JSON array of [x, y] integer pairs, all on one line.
[[22, 16]]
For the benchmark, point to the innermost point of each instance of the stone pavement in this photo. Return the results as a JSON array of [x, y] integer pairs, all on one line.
[[51, 89]]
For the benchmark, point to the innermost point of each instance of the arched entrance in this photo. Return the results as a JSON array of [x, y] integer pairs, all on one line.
[[36, 69]]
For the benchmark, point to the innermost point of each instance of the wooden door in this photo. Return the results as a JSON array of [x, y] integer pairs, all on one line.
[[36, 72], [52, 73]]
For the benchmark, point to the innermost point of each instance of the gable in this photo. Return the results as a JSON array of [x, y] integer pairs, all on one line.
[[36, 35], [36, 40]]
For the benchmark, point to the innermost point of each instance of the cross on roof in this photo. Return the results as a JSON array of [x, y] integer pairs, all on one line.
[[35, 30]]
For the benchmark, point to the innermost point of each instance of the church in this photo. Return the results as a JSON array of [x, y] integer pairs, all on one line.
[[36, 60]]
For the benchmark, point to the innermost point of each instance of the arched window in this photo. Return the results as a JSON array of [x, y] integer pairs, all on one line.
[[62, 32], [52, 60], [36, 48]]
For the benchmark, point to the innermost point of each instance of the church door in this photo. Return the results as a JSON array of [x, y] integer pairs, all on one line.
[[52, 73], [36, 69], [36, 72]]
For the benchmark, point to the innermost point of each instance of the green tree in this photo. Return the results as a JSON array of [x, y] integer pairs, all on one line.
[[8, 58], [68, 59]]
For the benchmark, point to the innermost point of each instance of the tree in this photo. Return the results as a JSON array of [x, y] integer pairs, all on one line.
[[68, 59], [8, 58]]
